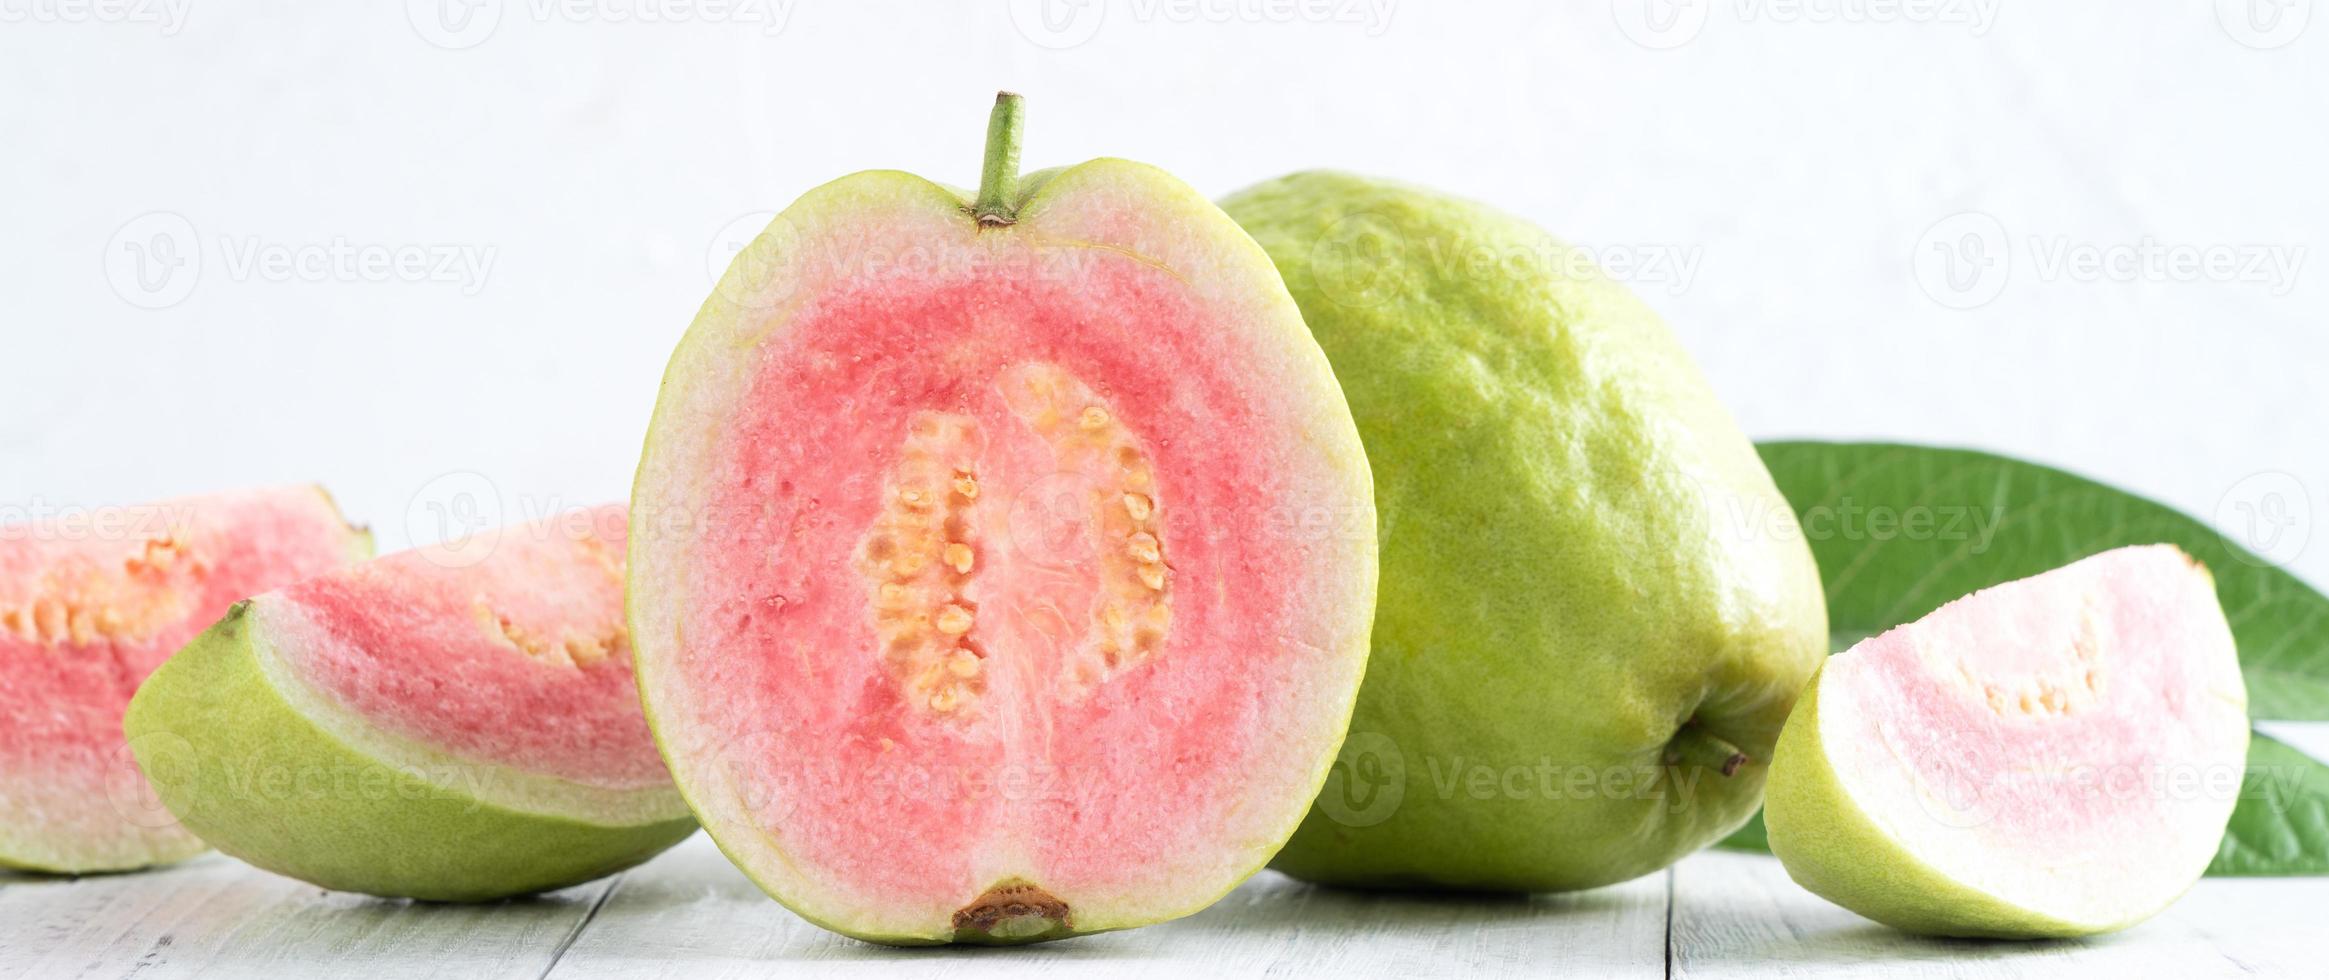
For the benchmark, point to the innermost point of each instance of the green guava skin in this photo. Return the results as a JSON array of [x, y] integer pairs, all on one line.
[[208, 727], [1590, 587]]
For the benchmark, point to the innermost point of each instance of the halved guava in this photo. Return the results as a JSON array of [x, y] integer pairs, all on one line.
[[90, 602], [1001, 569], [456, 722], [2055, 756]]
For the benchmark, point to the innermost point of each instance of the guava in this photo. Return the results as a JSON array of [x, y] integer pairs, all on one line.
[[90, 602], [1596, 609], [1001, 565], [2051, 757], [456, 722]]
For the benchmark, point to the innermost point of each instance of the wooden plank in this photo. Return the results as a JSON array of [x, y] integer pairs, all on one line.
[[214, 916], [1738, 915], [689, 914]]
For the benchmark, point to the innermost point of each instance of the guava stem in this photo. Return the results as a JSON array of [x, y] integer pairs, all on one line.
[[999, 179], [1693, 745]]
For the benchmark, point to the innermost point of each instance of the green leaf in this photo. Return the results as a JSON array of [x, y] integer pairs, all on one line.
[[2281, 826], [1898, 530], [1751, 837]]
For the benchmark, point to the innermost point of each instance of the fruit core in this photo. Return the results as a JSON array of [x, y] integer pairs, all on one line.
[[2054, 687], [443, 645], [553, 639], [576, 648], [1079, 516], [81, 603]]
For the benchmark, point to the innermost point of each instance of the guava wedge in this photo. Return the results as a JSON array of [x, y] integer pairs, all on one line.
[[456, 722], [1001, 567], [1596, 611], [2051, 757], [90, 602]]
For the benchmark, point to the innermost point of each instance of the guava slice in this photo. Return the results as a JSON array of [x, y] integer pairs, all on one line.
[[2051, 757], [1001, 570], [90, 602], [456, 722], [1597, 608]]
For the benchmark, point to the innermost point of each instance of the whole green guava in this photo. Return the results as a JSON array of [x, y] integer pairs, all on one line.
[[1596, 609]]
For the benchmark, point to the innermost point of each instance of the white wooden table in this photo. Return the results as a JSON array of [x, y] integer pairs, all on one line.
[[689, 914]]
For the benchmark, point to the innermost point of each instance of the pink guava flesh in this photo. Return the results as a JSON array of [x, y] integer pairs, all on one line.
[[506, 648], [2076, 737], [1013, 593], [89, 605]]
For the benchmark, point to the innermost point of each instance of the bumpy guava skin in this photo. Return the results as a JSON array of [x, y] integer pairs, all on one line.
[[1595, 613], [232, 756]]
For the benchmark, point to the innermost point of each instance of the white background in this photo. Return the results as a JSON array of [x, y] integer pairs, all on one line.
[[1802, 162]]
